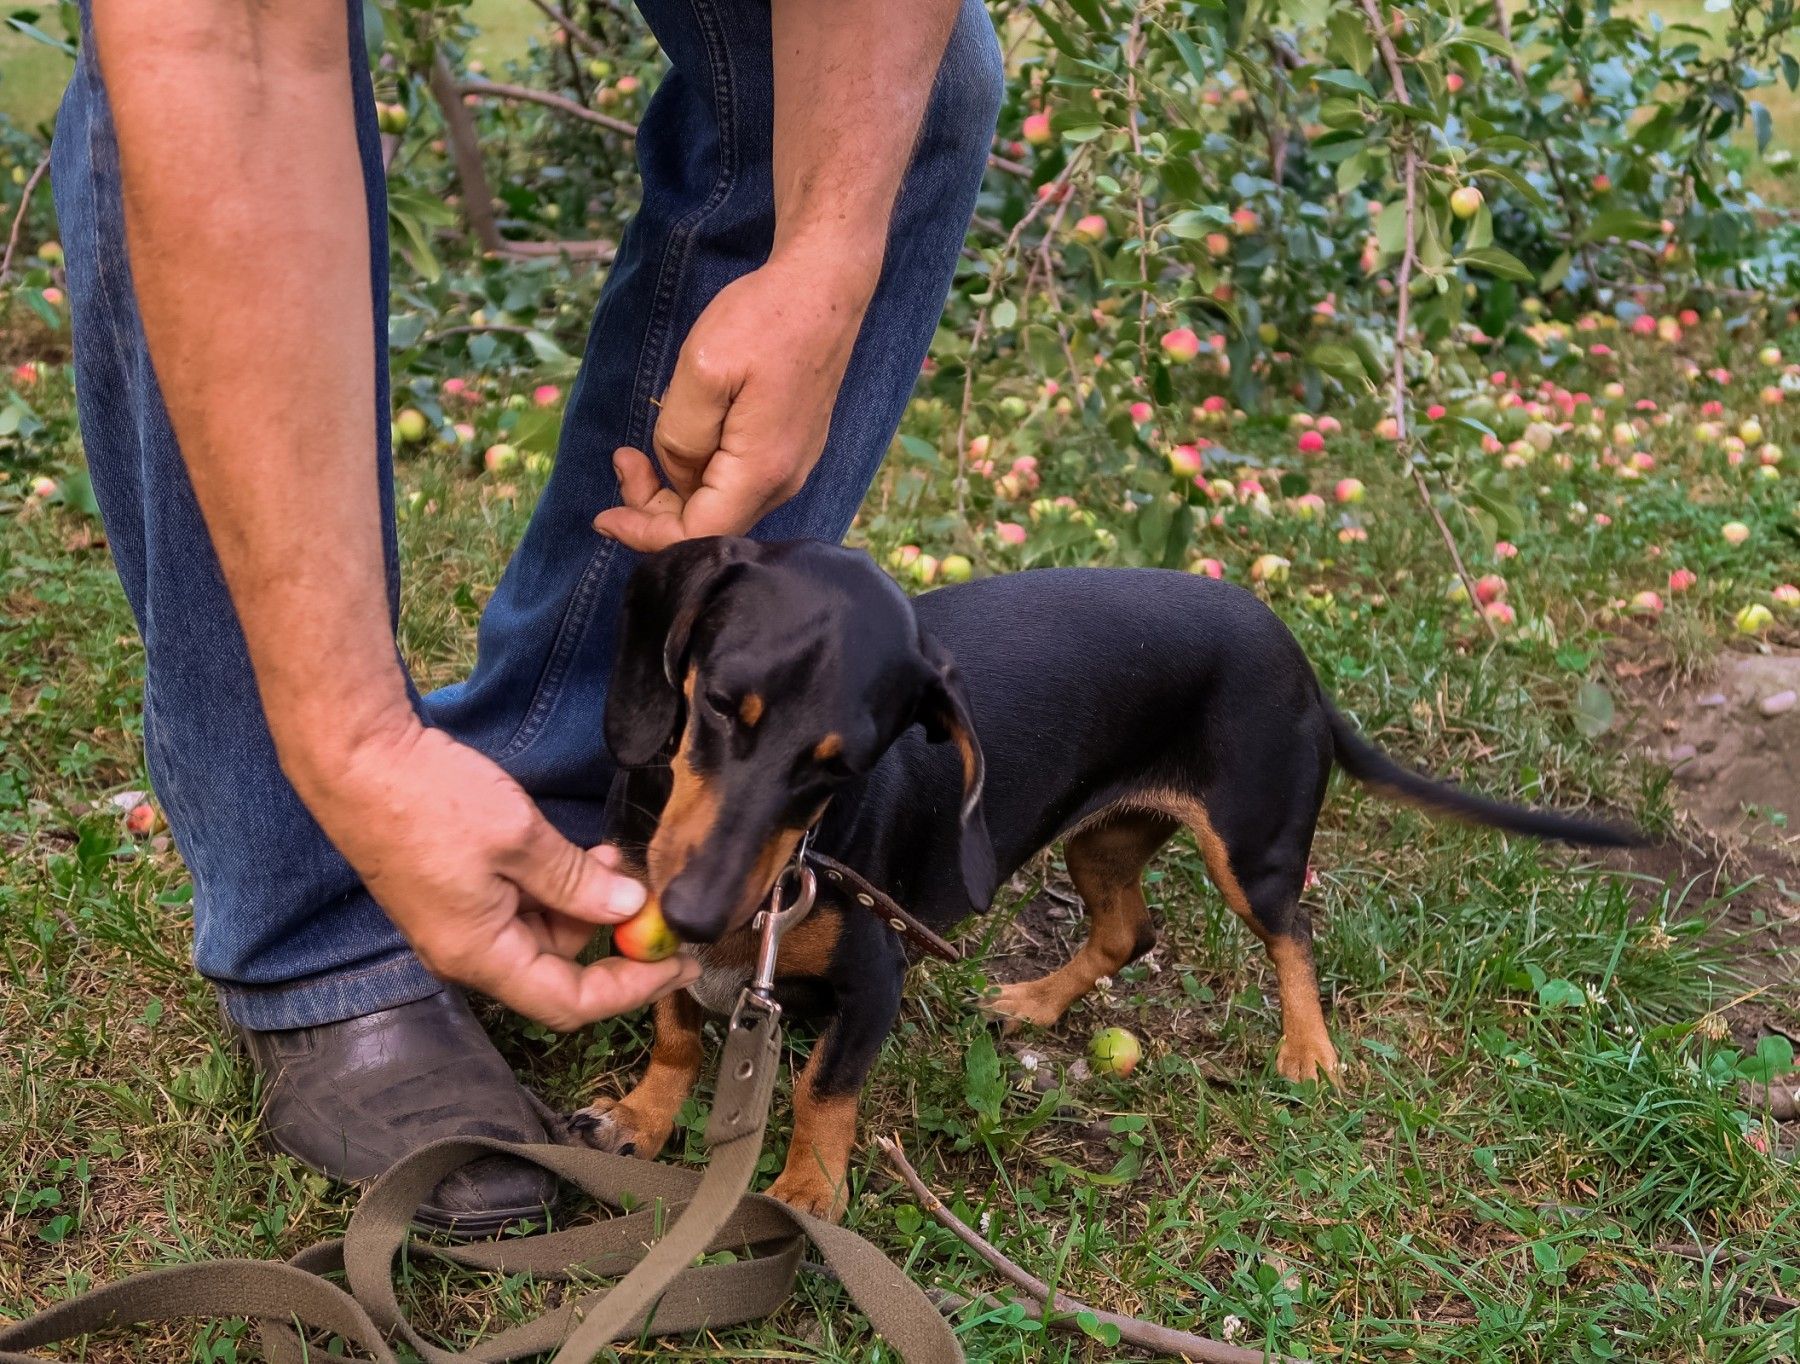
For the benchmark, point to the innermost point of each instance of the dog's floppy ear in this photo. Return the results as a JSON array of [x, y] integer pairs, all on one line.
[[665, 597], [944, 711]]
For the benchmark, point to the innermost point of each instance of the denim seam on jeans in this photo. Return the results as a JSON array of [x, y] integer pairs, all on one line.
[[652, 361]]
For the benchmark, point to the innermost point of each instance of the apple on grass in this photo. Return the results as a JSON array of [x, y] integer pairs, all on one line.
[[411, 425], [1114, 1051], [1753, 619]]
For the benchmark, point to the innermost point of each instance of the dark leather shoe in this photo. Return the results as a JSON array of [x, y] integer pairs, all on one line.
[[349, 1099]]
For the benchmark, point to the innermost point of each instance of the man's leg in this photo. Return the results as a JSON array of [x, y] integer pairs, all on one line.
[[356, 1042], [538, 690]]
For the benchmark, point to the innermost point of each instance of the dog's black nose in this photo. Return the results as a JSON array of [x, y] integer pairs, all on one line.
[[691, 912]]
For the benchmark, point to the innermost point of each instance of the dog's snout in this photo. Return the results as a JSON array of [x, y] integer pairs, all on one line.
[[694, 915]]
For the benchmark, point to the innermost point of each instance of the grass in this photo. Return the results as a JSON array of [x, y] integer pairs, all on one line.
[[1540, 1093]]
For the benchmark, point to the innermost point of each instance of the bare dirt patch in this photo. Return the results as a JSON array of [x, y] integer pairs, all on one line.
[[1731, 741]]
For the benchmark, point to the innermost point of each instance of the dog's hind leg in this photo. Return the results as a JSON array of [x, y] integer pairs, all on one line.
[[1261, 878], [1106, 862]]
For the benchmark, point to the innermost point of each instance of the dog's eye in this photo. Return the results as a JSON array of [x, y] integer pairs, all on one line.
[[721, 705]]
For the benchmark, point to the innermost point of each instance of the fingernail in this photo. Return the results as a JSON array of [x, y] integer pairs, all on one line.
[[627, 896]]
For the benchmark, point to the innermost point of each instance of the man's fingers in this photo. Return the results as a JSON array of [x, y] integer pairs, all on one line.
[[650, 517], [557, 933], [645, 532], [562, 995], [557, 875], [638, 484], [693, 415]]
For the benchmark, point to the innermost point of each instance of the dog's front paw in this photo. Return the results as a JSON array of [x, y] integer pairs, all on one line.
[[1022, 1004], [1315, 1059], [808, 1190], [615, 1126]]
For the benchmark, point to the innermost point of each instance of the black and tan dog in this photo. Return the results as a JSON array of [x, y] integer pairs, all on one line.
[[765, 688]]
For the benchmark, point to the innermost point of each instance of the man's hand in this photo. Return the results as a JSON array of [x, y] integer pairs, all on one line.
[[747, 411], [487, 892], [746, 414]]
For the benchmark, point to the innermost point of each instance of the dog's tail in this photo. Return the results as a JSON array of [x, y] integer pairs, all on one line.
[[1375, 769]]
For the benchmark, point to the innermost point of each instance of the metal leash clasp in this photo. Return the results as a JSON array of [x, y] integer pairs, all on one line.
[[775, 921]]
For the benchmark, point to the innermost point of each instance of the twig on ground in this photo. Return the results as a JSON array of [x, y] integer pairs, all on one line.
[[1058, 1308], [1403, 291], [18, 225], [487, 89]]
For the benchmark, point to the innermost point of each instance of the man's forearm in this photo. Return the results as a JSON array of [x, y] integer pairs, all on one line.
[[245, 218], [852, 79]]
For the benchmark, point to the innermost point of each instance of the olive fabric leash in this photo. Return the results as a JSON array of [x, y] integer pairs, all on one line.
[[663, 1292]]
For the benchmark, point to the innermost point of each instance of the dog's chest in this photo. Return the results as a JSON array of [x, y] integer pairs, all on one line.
[[725, 969], [805, 956]]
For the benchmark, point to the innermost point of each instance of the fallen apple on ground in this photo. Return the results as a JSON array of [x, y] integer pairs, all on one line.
[[1114, 1051]]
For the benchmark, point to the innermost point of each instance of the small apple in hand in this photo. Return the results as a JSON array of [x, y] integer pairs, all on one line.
[[646, 936]]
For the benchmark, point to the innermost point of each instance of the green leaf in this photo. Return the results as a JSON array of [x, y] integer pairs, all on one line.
[[1486, 37], [1506, 514], [1558, 993], [1774, 1056], [1005, 313], [1619, 222], [537, 430], [1350, 43], [1390, 228], [1190, 57], [1192, 224], [1765, 126], [37, 35], [1593, 710], [416, 245], [1103, 1331], [1084, 132], [1496, 262], [78, 492], [1090, 11], [1507, 175], [920, 449], [982, 1084], [1058, 35], [547, 351], [1557, 273], [1481, 230], [1338, 360], [1342, 79]]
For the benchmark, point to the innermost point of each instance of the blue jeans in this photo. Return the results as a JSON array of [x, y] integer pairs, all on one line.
[[282, 924]]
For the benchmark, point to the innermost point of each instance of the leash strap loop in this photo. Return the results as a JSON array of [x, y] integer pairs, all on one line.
[[663, 1291]]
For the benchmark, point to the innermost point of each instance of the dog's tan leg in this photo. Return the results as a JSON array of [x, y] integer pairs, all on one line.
[[640, 1123], [1306, 1051], [1106, 862], [816, 1178]]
